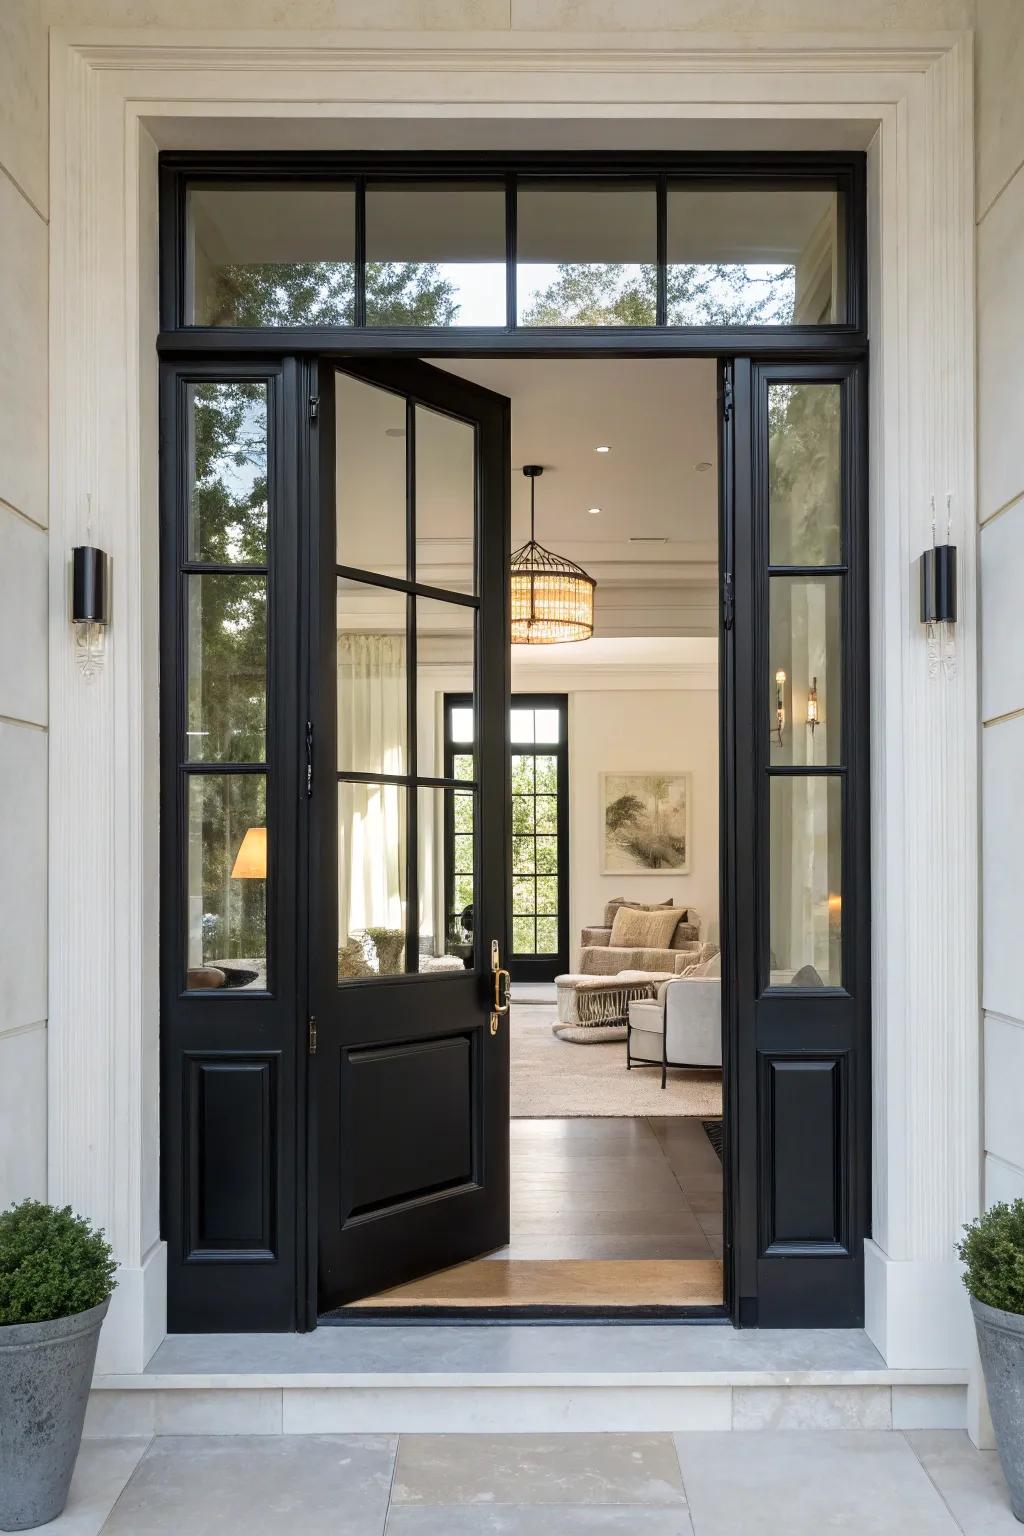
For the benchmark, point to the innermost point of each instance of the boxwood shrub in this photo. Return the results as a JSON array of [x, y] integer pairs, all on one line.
[[993, 1252], [52, 1264]]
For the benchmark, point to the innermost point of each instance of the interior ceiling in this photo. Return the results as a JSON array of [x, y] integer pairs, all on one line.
[[659, 419], [652, 547]]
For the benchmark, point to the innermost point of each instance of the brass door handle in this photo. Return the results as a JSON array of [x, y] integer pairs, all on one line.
[[502, 995]]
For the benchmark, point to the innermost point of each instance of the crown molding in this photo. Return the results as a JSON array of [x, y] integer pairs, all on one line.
[[657, 53]]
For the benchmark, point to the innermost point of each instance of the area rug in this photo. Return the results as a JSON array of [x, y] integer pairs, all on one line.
[[713, 1132], [552, 1077]]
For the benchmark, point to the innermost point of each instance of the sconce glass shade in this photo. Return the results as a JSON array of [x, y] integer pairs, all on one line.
[[251, 858], [812, 704]]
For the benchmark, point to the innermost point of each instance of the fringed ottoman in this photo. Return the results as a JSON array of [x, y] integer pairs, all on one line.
[[592, 1009]]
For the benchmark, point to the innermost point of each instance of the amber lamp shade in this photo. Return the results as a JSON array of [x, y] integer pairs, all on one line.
[[251, 859]]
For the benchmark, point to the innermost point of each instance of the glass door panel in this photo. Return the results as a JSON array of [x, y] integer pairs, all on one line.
[[409, 860]]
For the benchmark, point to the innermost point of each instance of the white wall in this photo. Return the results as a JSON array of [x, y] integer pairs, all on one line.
[[643, 731], [23, 599], [1000, 216]]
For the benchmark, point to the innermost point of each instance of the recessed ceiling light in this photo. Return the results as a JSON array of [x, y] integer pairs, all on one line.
[[602, 448], [702, 466], [593, 511]]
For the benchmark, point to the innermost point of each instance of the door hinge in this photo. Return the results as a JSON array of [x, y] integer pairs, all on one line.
[[727, 398], [312, 1034], [728, 600], [314, 407], [309, 759]]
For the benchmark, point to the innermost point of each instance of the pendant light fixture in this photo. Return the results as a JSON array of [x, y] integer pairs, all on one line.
[[552, 598]]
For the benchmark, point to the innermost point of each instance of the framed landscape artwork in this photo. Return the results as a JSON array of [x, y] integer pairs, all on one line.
[[645, 823]]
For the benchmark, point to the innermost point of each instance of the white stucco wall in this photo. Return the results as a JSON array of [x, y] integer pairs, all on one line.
[[23, 598], [1000, 214]]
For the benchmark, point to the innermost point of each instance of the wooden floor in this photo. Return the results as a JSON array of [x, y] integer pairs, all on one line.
[[604, 1213], [563, 1283]]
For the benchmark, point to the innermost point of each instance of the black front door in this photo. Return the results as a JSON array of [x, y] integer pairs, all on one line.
[[409, 1063]]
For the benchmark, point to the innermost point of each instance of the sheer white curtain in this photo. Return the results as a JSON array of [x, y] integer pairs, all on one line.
[[371, 817]]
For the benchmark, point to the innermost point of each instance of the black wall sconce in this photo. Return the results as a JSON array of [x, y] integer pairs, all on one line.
[[90, 585], [938, 584], [90, 604], [938, 575]]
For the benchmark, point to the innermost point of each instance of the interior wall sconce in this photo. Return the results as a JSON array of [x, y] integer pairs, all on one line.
[[90, 604], [780, 706], [813, 718], [939, 597]]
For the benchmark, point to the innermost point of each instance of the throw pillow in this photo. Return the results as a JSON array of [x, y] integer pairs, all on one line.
[[613, 905], [705, 970], [637, 929]]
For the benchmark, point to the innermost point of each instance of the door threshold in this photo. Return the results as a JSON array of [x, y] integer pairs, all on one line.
[[358, 1317]]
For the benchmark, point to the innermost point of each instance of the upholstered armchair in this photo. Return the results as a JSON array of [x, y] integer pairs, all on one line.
[[681, 1026]]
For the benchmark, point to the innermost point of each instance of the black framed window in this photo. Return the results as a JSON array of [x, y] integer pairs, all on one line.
[[226, 535], [539, 829], [525, 245]]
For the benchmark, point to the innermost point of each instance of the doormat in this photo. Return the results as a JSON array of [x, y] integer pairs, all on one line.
[[713, 1132]]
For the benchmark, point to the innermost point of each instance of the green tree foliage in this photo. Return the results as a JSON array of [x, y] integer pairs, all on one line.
[[52, 1264], [804, 479], [993, 1252], [713, 294], [323, 293]]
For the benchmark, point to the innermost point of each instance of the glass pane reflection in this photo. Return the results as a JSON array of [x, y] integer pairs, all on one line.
[[803, 474], [372, 883], [227, 503], [806, 873], [226, 881], [435, 254]]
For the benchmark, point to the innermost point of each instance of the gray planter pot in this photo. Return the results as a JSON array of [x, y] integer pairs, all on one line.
[[45, 1374], [1001, 1346]]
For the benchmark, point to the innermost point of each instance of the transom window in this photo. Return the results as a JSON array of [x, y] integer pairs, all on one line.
[[380, 244]]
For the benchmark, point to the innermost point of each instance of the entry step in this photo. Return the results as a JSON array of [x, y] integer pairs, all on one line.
[[423, 1377]]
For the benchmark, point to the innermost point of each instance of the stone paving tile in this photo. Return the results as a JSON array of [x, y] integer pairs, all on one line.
[[970, 1481], [101, 1472], [580, 1469], [265, 1485], [807, 1483], [536, 1520]]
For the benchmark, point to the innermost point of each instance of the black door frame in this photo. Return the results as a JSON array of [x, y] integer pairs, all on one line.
[[189, 351]]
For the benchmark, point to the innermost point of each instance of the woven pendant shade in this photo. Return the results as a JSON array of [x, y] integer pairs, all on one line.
[[552, 598]]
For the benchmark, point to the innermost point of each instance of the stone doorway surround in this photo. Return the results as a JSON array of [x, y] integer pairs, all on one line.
[[116, 99]]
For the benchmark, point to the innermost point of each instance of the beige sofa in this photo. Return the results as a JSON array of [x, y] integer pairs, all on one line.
[[599, 958]]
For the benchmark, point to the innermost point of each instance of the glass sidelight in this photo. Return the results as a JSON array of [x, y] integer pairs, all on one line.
[[224, 585], [406, 621], [804, 688]]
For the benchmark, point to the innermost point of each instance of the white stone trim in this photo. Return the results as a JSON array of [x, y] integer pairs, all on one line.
[[111, 94]]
